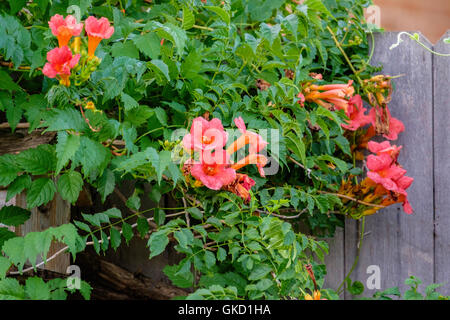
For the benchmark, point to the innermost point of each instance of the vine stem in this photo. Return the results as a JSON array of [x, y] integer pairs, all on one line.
[[415, 37], [87, 244], [352, 199], [345, 56], [355, 263]]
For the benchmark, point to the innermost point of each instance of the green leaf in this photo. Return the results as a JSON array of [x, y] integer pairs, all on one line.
[[224, 15], [259, 272], [188, 19], [66, 148], [7, 83], [5, 235], [318, 6], [159, 216], [270, 33], [66, 233], [159, 66], [10, 289], [70, 185], [127, 232], [113, 213], [38, 160], [182, 280], [17, 186], [64, 119], [8, 169], [5, 264], [128, 101], [142, 226], [115, 238], [297, 146], [37, 289], [148, 44], [42, 191], [127, 49], [356, 288], [93, 156], [157, 243], [161, 115], [13, 115], [195, 213], [106, 184], [174, 34], [13, 216], [85, 290]]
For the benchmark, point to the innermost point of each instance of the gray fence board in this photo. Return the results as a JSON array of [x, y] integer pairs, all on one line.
[[335, 260], [400, 244], [441, 67]]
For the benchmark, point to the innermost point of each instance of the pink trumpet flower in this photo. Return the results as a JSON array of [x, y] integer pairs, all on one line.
[[64, 29], [256, 142], [97, 29], [60, 62], [205, 135], [385, 171], [252, 158], [355, 112], [214, 170]]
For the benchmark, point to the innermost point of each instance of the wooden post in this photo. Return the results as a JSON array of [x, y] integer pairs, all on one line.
[[53, 214], [402, 245], [441, 67]]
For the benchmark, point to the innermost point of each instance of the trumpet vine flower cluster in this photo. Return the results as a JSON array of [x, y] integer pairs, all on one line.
[[63, 62], [214, 167], [386, 181]]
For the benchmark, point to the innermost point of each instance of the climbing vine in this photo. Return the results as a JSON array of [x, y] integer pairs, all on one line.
[[253, 117]]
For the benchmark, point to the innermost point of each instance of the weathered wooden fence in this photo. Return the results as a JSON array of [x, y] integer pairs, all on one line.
[[399, 244]]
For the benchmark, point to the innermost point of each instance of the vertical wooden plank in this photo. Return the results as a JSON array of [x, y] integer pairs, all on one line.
[[55, 213], [335, 260], [400, 244], [441, 67]]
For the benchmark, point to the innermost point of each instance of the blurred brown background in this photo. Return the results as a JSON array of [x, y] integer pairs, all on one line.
[[431, 17]]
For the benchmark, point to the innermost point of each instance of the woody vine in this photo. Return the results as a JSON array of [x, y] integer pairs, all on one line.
[[117, 82]]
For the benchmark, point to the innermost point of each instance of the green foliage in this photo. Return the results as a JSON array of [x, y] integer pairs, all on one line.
[[411, 293], [162, 68]]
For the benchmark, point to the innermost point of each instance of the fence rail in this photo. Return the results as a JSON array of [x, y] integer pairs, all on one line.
[[402, 245]]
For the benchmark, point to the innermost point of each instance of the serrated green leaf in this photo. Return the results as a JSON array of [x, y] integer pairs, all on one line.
[[195, 213], [115, 238], [128, 101], [10, 289], [66, 147], [38, 160], [7, 83], [5, 264], [148, 44], [188, 18], [13, 216], [259, 272], [142, 226], [160, 67], [93, 157], [222, 13], [37, 289], [127, 232], [17, 186], [42, 191], [106, 184], [157, 243], [70, 185], [5, 235]]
